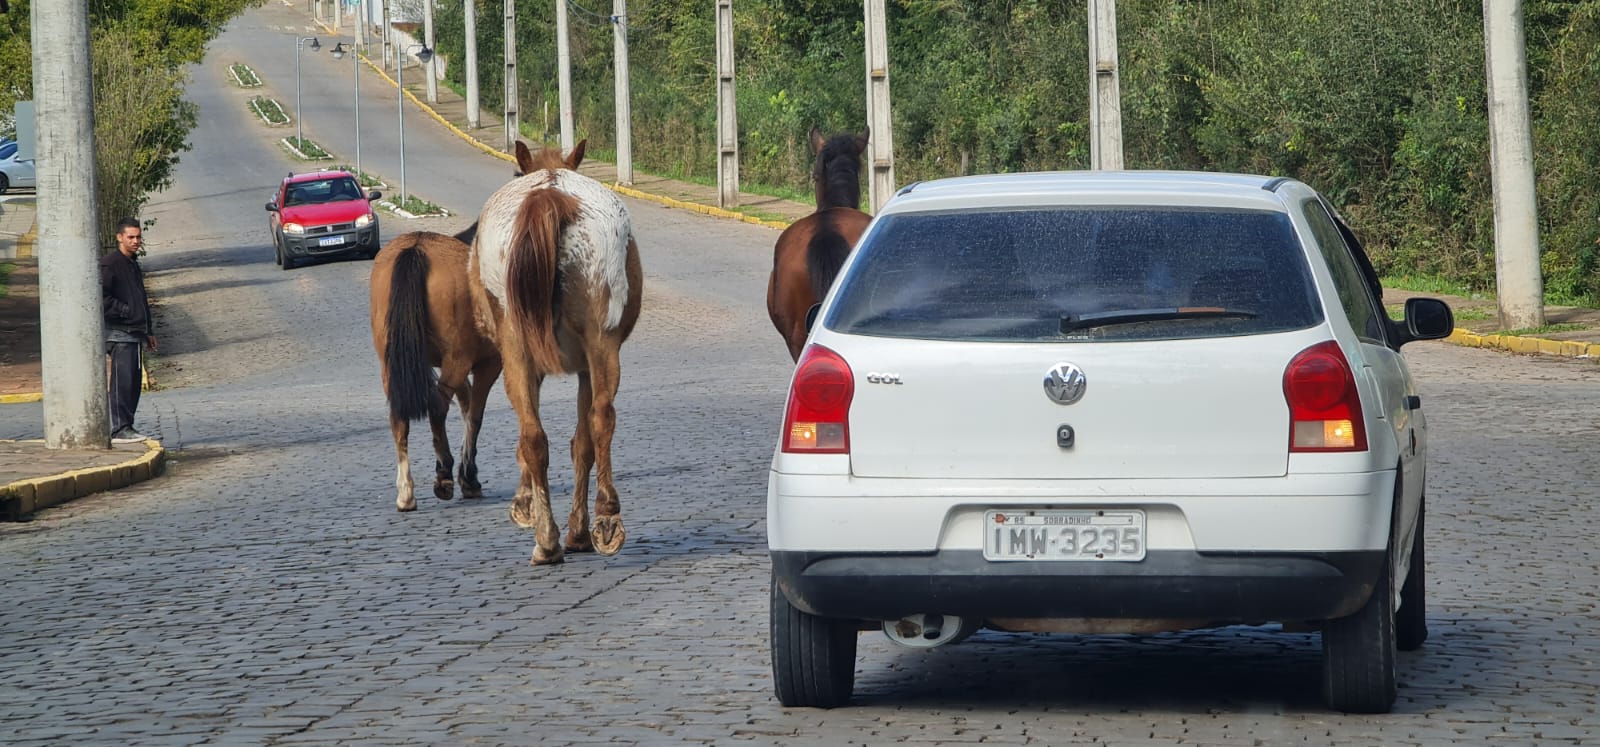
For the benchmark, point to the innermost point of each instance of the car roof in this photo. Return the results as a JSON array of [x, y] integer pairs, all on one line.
[[1172, 188], [311, 176]]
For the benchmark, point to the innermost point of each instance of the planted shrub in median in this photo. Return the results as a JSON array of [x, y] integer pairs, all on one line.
[[305, 149], [243, 76], [269, 110]]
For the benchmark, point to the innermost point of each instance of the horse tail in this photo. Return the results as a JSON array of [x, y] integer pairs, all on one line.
[[825, 254], [468, 234], [532, 280], [412, 381]]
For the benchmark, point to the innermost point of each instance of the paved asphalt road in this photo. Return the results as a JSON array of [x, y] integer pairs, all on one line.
[[266, 591]]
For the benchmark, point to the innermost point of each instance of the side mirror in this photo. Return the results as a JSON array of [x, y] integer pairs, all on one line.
[[1426, 319], [374, 194], [811, 316], [272, 207]]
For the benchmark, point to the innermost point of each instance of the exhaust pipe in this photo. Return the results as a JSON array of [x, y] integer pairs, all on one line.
[[929, 630]]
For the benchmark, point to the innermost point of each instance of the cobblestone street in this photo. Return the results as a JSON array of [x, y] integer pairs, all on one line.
[[266, 591]]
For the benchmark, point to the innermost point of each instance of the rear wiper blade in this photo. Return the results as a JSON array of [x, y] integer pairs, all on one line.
[[1071, 322]]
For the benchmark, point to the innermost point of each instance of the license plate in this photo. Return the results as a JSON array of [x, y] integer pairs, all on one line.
[[1086, 534], [331, 241]]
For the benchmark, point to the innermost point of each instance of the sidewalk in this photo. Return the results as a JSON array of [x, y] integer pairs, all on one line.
[[68, 474]]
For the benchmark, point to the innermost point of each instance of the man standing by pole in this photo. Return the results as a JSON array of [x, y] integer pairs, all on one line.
[[128, 325]]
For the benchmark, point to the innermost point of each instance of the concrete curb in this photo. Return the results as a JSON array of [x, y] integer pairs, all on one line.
[[24, 497], [1529, 345], [15, 399]]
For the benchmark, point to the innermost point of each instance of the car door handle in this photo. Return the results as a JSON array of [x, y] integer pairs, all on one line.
[[1413, 402]]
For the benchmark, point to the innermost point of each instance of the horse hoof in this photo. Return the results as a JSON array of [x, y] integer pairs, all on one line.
[[608, 535], [522, 512], [471, 490], [444, 490], [579, 542], [540, 557], [405, 506]]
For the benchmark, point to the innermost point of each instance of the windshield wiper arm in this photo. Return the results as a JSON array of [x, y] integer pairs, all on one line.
[[1072, 322]]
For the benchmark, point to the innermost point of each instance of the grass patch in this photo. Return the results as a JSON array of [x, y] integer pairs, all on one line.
[[1433, 284], [269, 110], [306, 149], [362, 177], [418, 206], [1397, 312], [5, 278], [1536, 331], [243, 76]]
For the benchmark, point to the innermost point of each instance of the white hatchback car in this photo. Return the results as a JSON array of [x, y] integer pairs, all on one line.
[[1101, 402]]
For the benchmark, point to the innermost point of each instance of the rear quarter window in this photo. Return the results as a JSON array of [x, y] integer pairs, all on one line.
[[1013, 275]]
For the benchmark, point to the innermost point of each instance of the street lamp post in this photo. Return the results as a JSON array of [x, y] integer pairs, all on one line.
[[338, 54], [423, 54], [299, 134]]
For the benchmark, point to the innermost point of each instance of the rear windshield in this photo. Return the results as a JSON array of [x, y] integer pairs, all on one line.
[[1059, 274], [337, 189]]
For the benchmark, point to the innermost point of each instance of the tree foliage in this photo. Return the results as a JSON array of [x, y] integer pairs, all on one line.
[[139, 52], [1382, 105]]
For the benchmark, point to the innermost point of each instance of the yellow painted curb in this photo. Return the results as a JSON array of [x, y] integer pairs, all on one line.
[[1526, 345], [25, 497], [26, 241], [13, 399]]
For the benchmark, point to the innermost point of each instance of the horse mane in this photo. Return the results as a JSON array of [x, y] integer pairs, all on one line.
[[837, 171]]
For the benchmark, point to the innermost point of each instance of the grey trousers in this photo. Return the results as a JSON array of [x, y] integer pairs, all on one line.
[[125, 383]]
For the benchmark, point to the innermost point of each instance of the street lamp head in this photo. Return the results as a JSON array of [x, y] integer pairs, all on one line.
[[424, 54], [315, 45], [337, 51]]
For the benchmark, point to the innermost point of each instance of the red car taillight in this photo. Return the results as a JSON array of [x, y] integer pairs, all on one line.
[[818, 417], [1324, 404]]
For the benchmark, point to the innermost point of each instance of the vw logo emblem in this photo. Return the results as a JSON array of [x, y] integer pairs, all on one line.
[[1065, 384]]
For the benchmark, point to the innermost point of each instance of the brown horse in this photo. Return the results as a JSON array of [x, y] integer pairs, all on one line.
[[557, 283], [423, 319], [810, 251]]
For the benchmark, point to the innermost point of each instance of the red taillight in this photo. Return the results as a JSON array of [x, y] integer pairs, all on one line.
[[1324, 404], [817, 420]]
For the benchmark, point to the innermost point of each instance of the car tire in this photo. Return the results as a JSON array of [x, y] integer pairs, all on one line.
[[1411, 621], [5, 184], [813, 658], [277, 253], [288, 260], [1358, 651]]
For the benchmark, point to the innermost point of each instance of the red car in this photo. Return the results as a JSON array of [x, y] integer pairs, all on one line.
[[322, 214]]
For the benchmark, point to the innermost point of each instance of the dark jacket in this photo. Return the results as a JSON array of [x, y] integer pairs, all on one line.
[[124, 303]]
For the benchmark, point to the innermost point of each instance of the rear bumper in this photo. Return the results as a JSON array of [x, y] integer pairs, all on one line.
[[1219, 588]]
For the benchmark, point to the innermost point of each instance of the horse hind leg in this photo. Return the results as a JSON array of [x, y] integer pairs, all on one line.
[[605, 373], [401, 430], [530, 507], [473, 401], [444, 487], [579, 538]]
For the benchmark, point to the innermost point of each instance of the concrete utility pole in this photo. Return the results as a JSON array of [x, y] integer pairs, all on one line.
[[1105, 88], [1518, 278], [471, 18], [727, 111], [619, 24], [511, 94], [427, 41], [564, 76], [71, 330], [388, 30], [880, 142]]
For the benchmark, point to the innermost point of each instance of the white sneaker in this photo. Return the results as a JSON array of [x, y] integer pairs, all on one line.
[[128, 436]]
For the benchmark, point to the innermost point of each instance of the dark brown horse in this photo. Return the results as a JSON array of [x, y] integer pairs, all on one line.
[[557, 282], [810, 252], [423, 319]]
